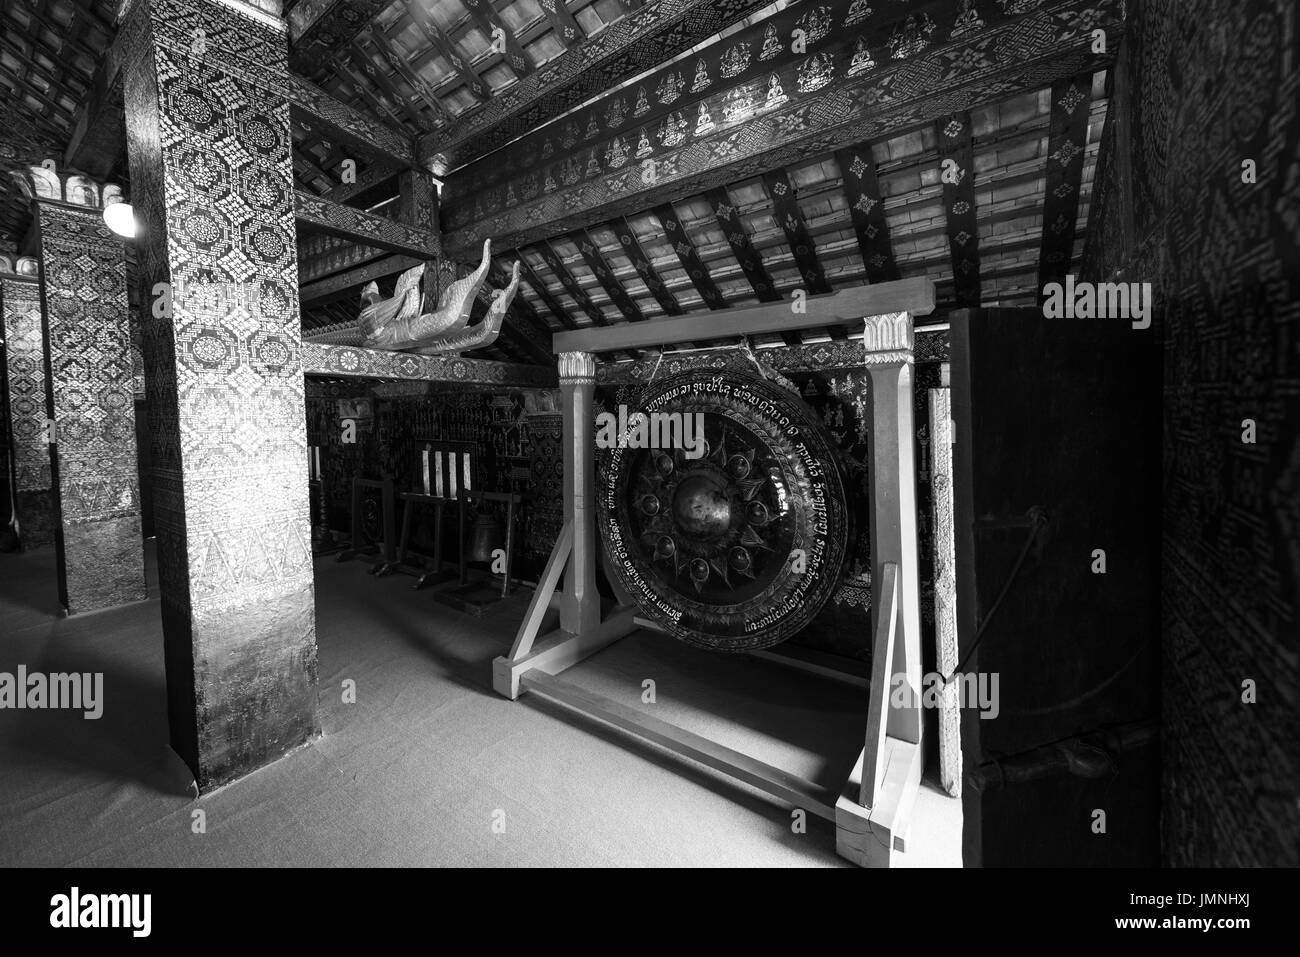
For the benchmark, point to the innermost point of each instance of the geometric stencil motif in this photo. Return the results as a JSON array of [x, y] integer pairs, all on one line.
[[20, 300], [209, 146], [91, 399]]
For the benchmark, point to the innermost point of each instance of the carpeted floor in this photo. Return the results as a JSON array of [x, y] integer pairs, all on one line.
[[417, 770]]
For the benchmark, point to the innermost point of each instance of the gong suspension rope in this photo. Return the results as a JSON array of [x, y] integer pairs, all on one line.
[[1039, 517]]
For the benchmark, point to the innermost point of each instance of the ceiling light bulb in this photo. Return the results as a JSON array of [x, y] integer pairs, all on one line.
[[121, 219]]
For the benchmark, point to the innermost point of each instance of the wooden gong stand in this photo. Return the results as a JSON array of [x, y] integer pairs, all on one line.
[[871, 812]]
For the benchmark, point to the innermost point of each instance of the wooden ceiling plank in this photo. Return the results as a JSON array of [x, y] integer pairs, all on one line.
[[539, 288], [600, 267], [679, 238], [566, 27], [361, 88], [503, 38], [367, 68], [319, 32], [447, 50], [388, 50], [728, 217], [644, 267], [555, 263]]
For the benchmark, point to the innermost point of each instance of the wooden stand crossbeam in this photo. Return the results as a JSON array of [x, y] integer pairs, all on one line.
[[779, 784], [872, 811]]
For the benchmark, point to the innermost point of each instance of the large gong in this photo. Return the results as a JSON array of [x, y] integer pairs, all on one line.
[[734, 544]]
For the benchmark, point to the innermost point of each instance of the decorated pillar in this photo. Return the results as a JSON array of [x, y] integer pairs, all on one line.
[[209, 144], [29, 447], [89, 398], [580, 608], [888, 348]]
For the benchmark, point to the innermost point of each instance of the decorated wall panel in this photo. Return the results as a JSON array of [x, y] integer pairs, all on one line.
[[1201, 88], [91, 398], [24, 349]]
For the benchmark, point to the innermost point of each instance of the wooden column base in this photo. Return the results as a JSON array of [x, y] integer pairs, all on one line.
[[875, 836], [559, 650]]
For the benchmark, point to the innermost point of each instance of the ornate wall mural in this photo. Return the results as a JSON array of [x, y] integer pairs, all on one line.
[[24, 348], [90, 397], [1201, 88]]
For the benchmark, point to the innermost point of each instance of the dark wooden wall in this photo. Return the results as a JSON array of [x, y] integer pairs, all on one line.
[[1200, 87], [1062, 416]]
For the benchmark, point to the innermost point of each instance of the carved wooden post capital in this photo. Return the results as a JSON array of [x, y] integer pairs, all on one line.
[[888, 338], [577, 368]]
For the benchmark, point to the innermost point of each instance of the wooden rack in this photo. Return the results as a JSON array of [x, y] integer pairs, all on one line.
[[872, 811]]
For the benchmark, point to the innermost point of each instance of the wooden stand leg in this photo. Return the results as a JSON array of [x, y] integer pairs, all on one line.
[[581, 632], [872, 814], [388, 516], [354, 546], [435, 573]]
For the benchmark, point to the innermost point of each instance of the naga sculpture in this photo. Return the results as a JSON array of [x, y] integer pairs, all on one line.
[[405, 321]]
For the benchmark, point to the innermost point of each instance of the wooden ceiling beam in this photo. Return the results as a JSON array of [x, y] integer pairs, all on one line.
[[489, 21], [555, 262], [957, 174], [350, 362], [543, 294], [1066, 149], [441, 43], [746, 253], [365, 228], [645, 37], [644, 268], [867, 208], [320, 31], [566, 28], [689, 256], [998, 63], [318, 112], [600, 268], [393, 57], [324, 290], [848, 306], [367, 68]]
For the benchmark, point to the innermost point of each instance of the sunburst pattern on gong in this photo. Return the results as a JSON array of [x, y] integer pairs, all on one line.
[[706, 518]]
